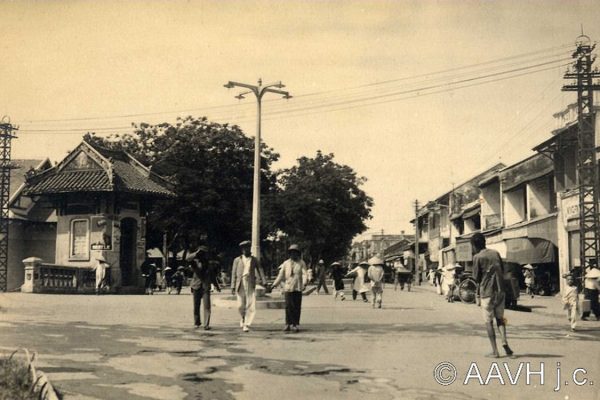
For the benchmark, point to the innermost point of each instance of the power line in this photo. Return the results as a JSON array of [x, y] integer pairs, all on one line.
[[379, 91], [525, 110], [418, 95], [230, 106], [389, 96]]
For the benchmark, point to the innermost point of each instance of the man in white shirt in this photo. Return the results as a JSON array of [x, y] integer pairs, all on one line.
[[243, 284], [590, 291]]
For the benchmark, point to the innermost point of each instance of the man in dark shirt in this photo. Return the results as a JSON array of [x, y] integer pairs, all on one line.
[[489, 275], [202, 278], [321, 277]]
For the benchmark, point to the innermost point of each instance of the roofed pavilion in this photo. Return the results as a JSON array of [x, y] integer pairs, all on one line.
[[101, 198]]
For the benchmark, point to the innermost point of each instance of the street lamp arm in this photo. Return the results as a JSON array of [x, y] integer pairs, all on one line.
[[271, 90], [243, 94], [277, 84], [232, 84]]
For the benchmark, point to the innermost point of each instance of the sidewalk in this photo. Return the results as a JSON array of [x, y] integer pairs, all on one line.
[[541, 305]]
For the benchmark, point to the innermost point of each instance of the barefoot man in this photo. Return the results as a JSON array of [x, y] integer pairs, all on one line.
[[489, 274]]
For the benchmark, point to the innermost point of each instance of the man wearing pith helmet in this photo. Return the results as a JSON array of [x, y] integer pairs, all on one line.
[[293, 276], [243, 284], [321, 277]]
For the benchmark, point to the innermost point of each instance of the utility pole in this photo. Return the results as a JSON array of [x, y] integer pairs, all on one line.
[[258, 91], [416, 241], [165, 251], [6, 137], [585, 85]]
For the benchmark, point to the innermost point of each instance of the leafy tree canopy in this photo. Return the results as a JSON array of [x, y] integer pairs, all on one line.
[[321, 206], [211, 166]]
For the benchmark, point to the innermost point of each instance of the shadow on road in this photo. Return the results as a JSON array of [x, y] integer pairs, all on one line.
[[538, 356]]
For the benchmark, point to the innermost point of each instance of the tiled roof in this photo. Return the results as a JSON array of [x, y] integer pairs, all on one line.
[[129, 179], [127, 176], [72, 181]]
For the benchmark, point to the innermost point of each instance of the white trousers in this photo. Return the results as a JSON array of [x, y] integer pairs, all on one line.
[[572, 313], [246, 299]]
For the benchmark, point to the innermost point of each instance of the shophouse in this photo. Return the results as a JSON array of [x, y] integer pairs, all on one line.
[[464, 209], [530, 214], [561, 148]]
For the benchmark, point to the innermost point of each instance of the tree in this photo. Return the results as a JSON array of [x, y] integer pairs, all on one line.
[[322, 206], [211, 167]]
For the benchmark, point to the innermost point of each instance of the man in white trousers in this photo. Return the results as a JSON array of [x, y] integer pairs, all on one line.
[[243, 284]]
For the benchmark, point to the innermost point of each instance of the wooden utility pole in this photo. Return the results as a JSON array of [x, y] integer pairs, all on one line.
[[165, 250], [416, 272]]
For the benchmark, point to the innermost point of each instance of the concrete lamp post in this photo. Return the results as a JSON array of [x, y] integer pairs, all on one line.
[[259, 91]]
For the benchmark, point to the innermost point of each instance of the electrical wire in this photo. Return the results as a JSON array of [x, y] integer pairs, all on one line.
[[233, 106], [417, 95], [417, 91]]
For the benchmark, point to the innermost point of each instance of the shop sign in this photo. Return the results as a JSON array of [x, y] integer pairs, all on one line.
[[101, 233], [570, 208]]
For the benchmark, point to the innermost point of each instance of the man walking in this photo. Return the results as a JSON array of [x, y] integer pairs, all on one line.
[[243, 284], [202, 278], [489, 274], [292, 274], [321, 276], [590, 291], [375, 274]]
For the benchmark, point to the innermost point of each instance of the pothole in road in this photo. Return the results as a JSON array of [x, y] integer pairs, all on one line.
[[330, 371]]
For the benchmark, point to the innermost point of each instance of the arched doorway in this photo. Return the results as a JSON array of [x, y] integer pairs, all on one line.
[[128, 248]]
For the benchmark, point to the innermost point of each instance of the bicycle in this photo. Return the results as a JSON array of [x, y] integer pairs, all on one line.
[[467, 289]]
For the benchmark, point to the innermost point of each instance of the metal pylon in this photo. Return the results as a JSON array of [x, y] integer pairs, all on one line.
[[6, 137], [587, 169]]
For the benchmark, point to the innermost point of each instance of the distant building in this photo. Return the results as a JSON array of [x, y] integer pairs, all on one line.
[[375, 246], [32, 227]]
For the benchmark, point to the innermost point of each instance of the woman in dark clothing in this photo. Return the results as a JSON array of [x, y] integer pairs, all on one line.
[[337, 273]]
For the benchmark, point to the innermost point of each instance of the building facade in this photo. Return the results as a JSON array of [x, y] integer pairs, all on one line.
[[100, 198]]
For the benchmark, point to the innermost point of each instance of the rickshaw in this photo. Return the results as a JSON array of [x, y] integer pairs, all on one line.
[[466, 287]]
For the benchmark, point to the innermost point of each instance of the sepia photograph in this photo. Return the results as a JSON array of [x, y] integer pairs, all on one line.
[[328, 199]]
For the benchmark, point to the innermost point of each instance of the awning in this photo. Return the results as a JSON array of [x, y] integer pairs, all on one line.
[[471, 213], [455, 216], [527, 170], [487, 181], [530, 251], [540, 228], [500, 247]]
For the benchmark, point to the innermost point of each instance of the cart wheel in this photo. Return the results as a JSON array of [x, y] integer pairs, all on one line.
[[467, 290]]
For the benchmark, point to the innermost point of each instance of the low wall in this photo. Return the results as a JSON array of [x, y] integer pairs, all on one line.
[[41, 277]]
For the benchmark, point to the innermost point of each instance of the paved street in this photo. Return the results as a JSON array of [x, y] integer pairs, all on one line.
[[144, 347]]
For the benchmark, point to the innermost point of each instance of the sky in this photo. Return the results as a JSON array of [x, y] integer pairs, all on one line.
[[414, 95]]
